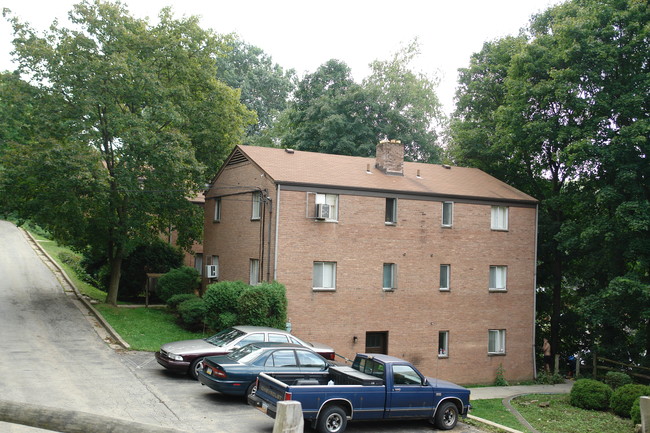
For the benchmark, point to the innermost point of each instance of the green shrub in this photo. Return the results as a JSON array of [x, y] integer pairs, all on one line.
[[544, 378], [177, 281], [616, 379], [277, 295], [635, 411], [175, 300], [75, 262], [590, 394], [221, 298], [192, 313], [500, 379], [253, 307], [624, 397]]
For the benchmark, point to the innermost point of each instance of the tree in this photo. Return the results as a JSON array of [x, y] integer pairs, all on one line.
[[563, 115], [265, 86], [331, 113], [145, 123], [409, 106]]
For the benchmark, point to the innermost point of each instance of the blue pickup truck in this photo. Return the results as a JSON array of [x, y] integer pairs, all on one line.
[[376, 387]]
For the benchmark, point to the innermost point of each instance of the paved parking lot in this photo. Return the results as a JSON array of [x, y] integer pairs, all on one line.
[[52, 355]]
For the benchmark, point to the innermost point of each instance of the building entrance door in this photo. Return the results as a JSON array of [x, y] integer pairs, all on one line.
[[377, 342]]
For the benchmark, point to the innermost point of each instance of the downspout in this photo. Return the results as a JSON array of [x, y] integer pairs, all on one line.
[[277, 225], [535, 290], [268, 242]]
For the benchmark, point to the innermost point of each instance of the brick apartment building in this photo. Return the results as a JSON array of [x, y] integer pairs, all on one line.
[[430, 263]]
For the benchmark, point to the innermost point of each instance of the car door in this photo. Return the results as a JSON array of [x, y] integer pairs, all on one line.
[[256, 337], [410, 396]]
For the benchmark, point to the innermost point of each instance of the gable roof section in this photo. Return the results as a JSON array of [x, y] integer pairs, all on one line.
[[310, 169]]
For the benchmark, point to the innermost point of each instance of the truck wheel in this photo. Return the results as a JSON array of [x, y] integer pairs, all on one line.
[[332, 420], [446, 416]]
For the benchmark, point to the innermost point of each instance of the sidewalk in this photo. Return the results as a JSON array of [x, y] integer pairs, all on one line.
[[509, 391]]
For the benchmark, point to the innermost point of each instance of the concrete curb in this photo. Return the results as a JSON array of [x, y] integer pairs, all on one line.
[[493, 424], [109, 329]]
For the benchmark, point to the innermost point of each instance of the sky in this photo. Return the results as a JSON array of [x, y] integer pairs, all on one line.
[[304, 34]]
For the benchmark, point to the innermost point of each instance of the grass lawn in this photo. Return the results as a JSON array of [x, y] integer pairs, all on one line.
[[145, 328], [558, 417]]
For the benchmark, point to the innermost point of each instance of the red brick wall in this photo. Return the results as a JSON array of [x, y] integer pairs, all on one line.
[[417, 310]]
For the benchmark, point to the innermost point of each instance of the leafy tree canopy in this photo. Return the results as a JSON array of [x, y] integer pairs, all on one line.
[[137, 122]]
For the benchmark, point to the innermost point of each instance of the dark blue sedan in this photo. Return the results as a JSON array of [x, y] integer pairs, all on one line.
[[236, 373]]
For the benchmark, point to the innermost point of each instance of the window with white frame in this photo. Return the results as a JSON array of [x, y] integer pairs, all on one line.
[[390, 276], [215, 262], [496, 341], [324, 276], [443, 344], [254, 274], [257, 205], [498, 276], [217, 209], [391, 211], [332, 201], [499, 218], [447, 213], [445, 274]]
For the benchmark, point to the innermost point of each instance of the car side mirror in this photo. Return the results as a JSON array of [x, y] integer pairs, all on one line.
[[425, 382]]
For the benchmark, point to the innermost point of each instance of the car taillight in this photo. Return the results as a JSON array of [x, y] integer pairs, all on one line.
[[219, 372], [287, 396], [330, 356]]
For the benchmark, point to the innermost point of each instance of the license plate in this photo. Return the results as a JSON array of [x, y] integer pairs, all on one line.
[[264, 408], [208, 371]]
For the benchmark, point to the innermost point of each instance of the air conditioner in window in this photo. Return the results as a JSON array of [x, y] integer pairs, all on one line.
[[211, 271], [322, 211]]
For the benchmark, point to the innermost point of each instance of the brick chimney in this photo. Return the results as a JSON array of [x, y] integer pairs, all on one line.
[[389, 157]]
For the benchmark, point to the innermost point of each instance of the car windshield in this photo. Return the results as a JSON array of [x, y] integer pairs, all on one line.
[[224, 337], [245, 354]]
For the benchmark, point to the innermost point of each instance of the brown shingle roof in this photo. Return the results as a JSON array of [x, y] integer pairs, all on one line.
[[351, 172]]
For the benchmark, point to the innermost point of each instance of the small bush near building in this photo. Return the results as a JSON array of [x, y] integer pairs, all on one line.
[[175, 300], [590, 394], [176, 282], [192, 313], [231, 303], [624, 397], [617, 379], [544, 378]]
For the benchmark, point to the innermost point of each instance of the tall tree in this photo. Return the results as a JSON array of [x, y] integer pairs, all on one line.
[[332, 113], [145, 121], [563, 115], [265, 86]]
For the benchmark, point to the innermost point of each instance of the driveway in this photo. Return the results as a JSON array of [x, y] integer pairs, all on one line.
[[53, 356]]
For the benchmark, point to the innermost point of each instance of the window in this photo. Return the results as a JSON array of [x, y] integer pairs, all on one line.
[[215, 262], [250, 338], [278, 338], [445, 271], [332, 200], [198, 263], [443, 344], [406, 375], [447, 213], [498, 276], [499, 218], [257, 205], [324, 276], [391, 211], [217, 209], [254, 279], [390, 276], [309, 359], [497, 341], [282, 358]]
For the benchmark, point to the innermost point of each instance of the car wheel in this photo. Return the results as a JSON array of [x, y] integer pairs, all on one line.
[[252, 388], [332, 420], [195, 367], [446, 416]]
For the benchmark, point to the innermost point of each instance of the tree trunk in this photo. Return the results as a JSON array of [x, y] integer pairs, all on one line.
[[116, 271]]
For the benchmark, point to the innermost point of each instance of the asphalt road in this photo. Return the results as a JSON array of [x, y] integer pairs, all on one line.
[[52, 355]]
